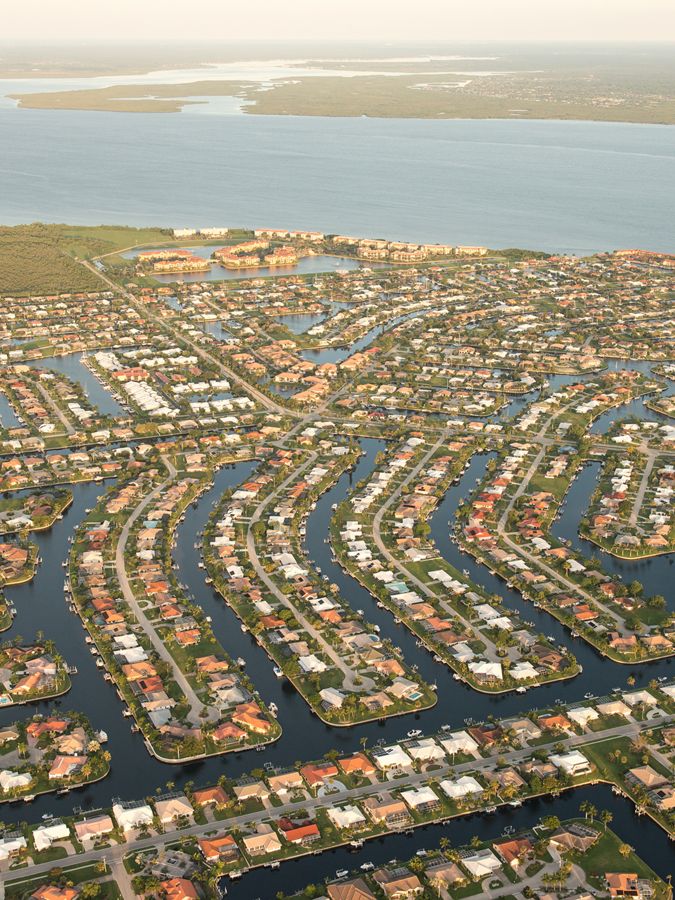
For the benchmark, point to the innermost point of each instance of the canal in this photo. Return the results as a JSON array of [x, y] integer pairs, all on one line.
[[650, 842], [41, 605]]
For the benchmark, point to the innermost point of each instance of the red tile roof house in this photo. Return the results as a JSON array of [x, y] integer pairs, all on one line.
[[317, 774], [514, 852], [179, 889], [215, 849], [301, 834]]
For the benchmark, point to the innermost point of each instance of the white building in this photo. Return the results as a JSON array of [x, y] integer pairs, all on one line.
[[346, 816], [481, 863], [393, 757], [461, 787], [132, 816], [45, 835], [572, 763], [459, 742], [420, 798], [425, 750]]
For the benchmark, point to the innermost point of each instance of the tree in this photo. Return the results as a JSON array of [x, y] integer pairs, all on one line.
[[625, 850], [606, 817]]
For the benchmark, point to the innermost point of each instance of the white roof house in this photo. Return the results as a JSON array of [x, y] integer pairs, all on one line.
[[311, 663], [425, 750], [582, 715], [391, 757], [346, 816], [459, 742], [422, 796], [521, 671], [11, 844], [486, 670], [45, 835], [635, 697], [481, 863], [173, 808], [461, 787], [613, 708], [332, 697], [132, 817], [9, 779], [572, 763]]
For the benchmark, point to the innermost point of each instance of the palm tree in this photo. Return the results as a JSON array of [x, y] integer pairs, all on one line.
[[606, 817]]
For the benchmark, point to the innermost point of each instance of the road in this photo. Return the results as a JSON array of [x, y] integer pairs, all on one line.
[[491, 649], [353, 681], [198, 710], [58, 412], [263, 399], [644, 484], [410, 779], [536, 561]]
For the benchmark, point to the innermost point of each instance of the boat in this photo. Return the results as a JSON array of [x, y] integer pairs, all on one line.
[[367, 867], [274, 709], [277, 671], [521, 690], [342, 873], [414, 733], [241, 662], [244, 628]]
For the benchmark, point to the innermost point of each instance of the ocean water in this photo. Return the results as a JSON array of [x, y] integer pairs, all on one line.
[[575, 187]]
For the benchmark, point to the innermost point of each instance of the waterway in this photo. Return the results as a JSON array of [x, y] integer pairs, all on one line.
[[135, 774], [307, 265], [8, 418], [72, 367], [574, 187], [649, 841], [338, 354], [655, 573]]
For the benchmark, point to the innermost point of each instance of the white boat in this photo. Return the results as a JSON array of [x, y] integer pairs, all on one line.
[[342, 873], [414, 733], [274, 709], [277, 671]]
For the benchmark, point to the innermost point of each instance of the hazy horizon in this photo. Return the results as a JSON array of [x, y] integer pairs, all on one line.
[[42, 21]]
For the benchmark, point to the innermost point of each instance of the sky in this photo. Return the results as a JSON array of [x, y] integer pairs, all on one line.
[[43, 21]]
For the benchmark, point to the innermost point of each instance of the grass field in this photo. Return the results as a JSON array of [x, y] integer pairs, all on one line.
[[42, 259]]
